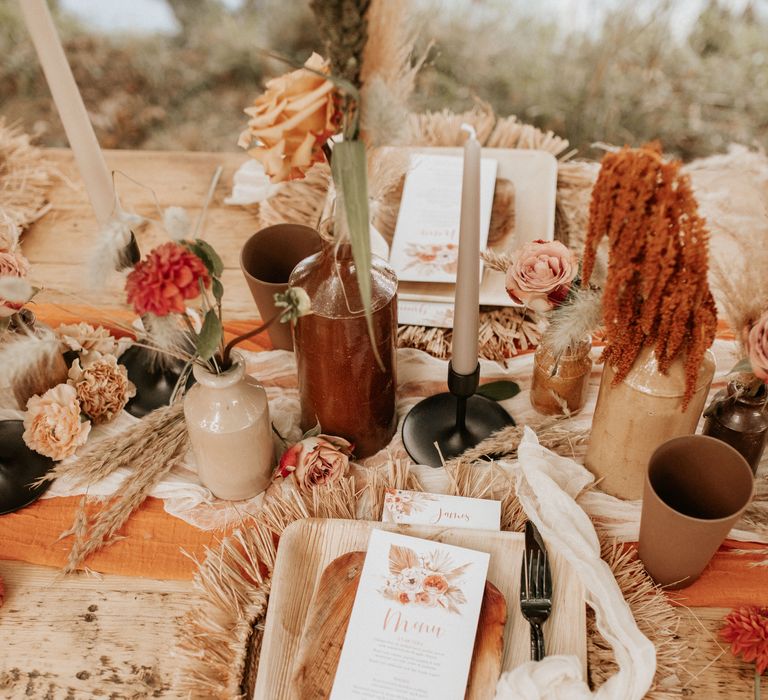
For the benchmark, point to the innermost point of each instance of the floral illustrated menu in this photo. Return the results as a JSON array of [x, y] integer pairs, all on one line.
[[413, 624], [425, 246]]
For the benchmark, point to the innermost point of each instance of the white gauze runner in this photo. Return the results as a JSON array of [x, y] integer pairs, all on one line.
[[547, 486]]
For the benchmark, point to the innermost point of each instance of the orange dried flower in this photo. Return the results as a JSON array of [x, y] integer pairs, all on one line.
[[656, 292], [746, 629]]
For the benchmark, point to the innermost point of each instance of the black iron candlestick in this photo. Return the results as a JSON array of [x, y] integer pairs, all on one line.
[[452, 421]]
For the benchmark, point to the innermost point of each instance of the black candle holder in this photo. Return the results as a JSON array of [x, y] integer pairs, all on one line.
[[455, 420]]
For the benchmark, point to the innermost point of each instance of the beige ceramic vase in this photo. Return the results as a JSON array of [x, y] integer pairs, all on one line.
[[636, 416], [228, 422]]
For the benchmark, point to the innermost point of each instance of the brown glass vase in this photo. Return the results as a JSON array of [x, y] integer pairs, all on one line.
[[559, 384], [341, 384], [739, 420]]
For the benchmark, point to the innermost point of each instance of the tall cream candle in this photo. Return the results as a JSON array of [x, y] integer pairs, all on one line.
[[69, 103], [466, 317]]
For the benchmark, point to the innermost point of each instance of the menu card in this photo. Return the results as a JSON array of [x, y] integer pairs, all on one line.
[[419, 508], [425, 246], [413, 623]]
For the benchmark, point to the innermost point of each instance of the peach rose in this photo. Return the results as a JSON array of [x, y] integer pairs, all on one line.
[[292, 120], [756, 345], [540, 274], [316, 460], [435, 583], [102, 386], [12, 265], [52, 424]]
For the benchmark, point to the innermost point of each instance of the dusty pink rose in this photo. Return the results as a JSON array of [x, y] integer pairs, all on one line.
[[756, 345], [316, 460], [52, 424], [541, 274], [12, 265]]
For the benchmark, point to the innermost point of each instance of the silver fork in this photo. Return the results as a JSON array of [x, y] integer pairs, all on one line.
[[535, 588]]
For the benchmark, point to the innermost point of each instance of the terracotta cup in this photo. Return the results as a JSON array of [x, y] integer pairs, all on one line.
[[267, 260], [696, 488]]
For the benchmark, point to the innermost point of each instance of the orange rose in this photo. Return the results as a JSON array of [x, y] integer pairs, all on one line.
[[434, 583], [292, 120]]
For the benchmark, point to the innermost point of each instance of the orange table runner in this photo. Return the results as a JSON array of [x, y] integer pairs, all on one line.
[[154, 541]]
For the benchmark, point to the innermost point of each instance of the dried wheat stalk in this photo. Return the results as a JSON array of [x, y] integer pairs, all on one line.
[[151, 450]]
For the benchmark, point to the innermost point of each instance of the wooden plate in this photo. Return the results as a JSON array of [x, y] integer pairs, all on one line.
[[307, 547]]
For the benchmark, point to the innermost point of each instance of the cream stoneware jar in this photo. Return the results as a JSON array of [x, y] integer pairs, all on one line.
[[227, 418]]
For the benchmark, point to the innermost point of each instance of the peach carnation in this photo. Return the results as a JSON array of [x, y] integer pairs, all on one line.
[[292, 120], [102, 386], [168, 277], [52, 424]]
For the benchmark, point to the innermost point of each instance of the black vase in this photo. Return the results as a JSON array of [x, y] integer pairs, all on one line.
[[19, 468], [154, 381], [739, 420]]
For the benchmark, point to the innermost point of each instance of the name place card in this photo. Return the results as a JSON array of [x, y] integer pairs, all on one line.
[[417, 508]]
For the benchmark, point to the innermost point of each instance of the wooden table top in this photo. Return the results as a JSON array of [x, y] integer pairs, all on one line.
[[110, 636]]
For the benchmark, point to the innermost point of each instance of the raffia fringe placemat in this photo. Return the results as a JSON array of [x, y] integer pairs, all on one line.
[[220, 647]]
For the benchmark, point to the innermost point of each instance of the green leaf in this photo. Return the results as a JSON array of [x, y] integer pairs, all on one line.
[[350, 175], [499, 391], [313, 432], [217, 288], [210, 336], [742, 367], [205, 251]]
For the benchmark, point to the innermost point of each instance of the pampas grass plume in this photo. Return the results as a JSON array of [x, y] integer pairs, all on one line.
[[15, 289], [578, 318]]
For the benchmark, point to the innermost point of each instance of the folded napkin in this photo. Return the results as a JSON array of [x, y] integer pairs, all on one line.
[[547, 485]]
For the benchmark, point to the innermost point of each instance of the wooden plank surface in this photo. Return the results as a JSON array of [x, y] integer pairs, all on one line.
[[60, 243], [84, 637]]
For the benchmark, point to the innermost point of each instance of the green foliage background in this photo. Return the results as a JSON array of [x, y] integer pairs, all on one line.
[[628, 80]]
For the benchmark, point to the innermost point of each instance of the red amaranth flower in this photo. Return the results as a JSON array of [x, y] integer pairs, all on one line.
[[165, 279], [746, 629]]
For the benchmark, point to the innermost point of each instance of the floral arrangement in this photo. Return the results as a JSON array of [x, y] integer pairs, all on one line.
[[15, 291], [293, 122], [406, 502], [314, 461], [744, 297], [544, 277], [424, 581], [58, 422], [161, 287], [656, 292], [746, 630]]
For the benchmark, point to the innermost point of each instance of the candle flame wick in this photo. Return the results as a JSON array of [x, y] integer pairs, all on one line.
[[470, 130]]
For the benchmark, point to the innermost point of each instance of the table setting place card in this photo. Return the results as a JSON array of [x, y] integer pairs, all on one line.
[[425, 245], [420, 508], [412, 629]]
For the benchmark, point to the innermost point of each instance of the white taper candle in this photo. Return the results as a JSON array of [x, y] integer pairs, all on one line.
[[466, 317], [69, 103]]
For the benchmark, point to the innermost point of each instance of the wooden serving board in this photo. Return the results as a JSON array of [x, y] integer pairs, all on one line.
[[308, 546], [328, 619]]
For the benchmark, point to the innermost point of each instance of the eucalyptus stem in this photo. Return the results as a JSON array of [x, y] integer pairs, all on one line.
[[225, 357]]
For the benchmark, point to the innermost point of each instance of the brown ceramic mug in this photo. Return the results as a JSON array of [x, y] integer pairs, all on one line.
[[267, 260], [696, 488]]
